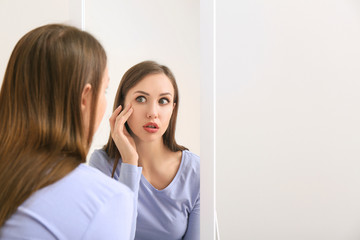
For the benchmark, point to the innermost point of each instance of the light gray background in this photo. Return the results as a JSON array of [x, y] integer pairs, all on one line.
[[288, 119]]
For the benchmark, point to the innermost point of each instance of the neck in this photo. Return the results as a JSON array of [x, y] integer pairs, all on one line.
[[151, 152]]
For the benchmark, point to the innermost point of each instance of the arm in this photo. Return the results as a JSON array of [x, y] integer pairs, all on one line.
[[193, 229]]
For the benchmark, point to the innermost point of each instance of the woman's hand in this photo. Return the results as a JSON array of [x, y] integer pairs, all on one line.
[[123, 141]]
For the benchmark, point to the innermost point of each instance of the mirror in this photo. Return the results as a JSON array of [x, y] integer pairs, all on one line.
[[132, 31]]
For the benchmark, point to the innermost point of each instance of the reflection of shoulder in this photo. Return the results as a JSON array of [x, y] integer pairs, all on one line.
[[191, 173], [192, 157], [191, 162], [99, 156]]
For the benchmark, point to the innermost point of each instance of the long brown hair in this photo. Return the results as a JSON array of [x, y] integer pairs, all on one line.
[[42, 135], [134, 75]]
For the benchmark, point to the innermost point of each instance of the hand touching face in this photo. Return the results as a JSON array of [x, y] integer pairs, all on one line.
[[123, 141]]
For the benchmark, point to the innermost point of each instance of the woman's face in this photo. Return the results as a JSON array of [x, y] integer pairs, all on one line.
[[152, 102]]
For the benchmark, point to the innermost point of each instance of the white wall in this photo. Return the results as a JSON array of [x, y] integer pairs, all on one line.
[[165, 31], [18, 17], [288, 119]]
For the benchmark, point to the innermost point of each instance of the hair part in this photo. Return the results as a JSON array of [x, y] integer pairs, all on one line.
[[132, 77], [42, 132]]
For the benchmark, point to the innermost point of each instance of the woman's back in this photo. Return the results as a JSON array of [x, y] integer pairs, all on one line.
[[85, 204], [52, 100]]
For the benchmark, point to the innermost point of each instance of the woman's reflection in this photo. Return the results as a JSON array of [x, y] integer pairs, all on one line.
[[143, 154]]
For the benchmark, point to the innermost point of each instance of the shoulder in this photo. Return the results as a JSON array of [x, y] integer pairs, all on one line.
[[190, 169], [191, 155], [90, 182], [191, 161], [189, 178], [74, 200], [88, 188]]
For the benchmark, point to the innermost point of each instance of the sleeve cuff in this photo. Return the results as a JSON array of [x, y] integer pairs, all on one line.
[[130, 175]]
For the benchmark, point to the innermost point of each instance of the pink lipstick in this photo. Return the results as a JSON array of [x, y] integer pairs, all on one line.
[[151, 127]]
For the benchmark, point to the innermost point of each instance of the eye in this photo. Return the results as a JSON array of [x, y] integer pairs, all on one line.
[[164, 101], [141, 99]]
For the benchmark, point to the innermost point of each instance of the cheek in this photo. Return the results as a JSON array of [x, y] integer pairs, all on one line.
[[134, 119], [102, 106], [131, 121], [104, 103], [167, 113]]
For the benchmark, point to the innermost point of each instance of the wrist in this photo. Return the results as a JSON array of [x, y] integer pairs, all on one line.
[[132, 161]]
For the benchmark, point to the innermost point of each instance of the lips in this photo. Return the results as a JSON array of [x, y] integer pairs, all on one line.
[[151, 127]]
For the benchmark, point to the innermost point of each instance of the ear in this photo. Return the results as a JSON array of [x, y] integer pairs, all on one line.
[[86, 97], [174, 105]]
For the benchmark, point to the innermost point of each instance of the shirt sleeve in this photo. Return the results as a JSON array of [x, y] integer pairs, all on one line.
[[113, 220], [130, 175], [193, 229]]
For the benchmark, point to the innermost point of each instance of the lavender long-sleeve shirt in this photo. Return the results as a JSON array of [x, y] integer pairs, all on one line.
[[170, 213], [85, 204]]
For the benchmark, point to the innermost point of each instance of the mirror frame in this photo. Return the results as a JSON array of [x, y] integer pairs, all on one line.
[[207, 120]]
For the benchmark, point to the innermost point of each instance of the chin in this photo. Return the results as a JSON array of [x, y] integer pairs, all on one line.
[[149, 137]]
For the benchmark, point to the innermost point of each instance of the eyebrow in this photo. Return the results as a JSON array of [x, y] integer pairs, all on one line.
[[147, 94]]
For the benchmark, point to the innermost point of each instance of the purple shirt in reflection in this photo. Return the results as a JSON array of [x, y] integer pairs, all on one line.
[[170, 213]]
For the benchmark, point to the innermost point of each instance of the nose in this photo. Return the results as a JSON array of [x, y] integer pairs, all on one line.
[[152, 111]]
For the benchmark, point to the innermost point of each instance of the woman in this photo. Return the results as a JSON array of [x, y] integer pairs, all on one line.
[[143, 154], [52, 100]]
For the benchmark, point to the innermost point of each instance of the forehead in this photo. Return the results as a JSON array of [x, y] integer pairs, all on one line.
[[154, 83]]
